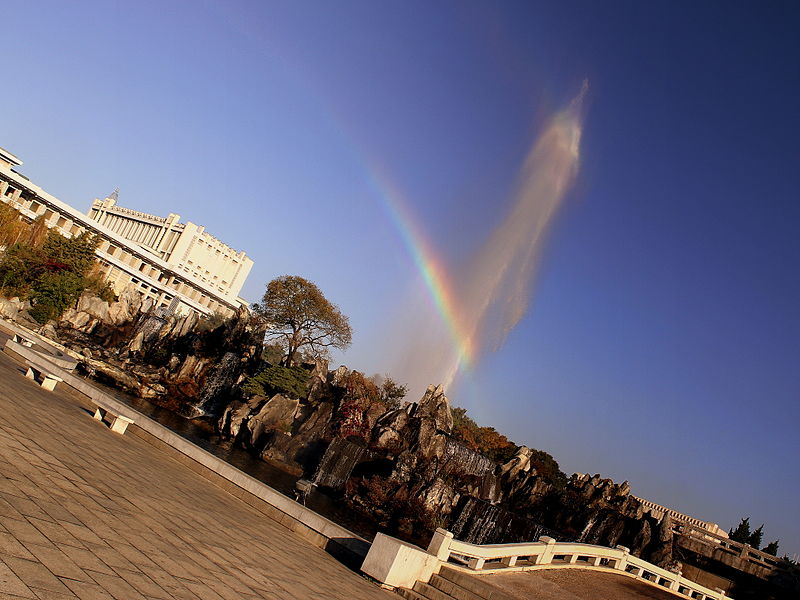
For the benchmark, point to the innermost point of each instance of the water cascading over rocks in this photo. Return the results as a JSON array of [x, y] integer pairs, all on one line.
[[479, 522], [458, 457], [185, 363], [218, 385], [338, 462]]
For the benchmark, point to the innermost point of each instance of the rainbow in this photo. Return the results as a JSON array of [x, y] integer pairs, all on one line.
[[429, 267]]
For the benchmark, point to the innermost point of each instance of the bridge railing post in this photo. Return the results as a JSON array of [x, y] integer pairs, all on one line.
[[546, 557], [622, 562], [440, 544]]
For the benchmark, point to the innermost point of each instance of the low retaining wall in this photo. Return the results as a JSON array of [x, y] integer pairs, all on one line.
[[324, 533]]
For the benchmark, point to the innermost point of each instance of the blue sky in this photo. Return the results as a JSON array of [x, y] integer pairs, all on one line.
[[663, 341]]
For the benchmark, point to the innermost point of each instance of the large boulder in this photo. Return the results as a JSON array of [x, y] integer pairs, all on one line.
[[10, 307], [277, 414], [94, 307], [661, 551], [520, 463], [78, 320], [126, 308], [435, 407], [390, 427]]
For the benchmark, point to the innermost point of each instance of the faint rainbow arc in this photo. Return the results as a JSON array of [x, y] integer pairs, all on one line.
[[422, 255], [426, 263]]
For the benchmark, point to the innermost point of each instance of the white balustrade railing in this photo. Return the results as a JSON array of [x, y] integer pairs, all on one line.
[[548, 553]]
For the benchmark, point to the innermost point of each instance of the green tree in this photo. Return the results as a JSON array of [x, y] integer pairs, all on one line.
[[771, 548], [298, 316], [756, 537], [392, 393], [74, 254], [36, 233], [548, 468], [20, 267], [742, 532], [67, 266], [53, 293], [272, 353], [291, 381]]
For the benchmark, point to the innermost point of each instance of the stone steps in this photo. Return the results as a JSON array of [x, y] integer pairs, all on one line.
[[409, 594], [480, 587], [451, 584]]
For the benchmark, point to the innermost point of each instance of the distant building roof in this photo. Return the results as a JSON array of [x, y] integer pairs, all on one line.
[[6, 156]]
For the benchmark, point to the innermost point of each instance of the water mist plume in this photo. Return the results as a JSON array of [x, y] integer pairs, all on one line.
[[494, 292]]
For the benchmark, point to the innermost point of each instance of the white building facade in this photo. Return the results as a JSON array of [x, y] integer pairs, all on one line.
[[178, 266]]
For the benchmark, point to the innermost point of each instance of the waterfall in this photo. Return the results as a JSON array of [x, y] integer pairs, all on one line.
[[587, 529], [482, 523], [458, 457], [150, 326], [339, 460], [218, 384]]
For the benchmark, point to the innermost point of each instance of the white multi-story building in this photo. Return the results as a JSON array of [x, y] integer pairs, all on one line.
[[658, 511], [186, 247], [177, 265]]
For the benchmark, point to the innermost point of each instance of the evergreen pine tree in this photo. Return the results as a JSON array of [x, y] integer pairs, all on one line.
[[742, 532], [771, 548], [755, 537]]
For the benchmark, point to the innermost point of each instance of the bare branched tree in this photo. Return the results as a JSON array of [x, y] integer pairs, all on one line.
[[299, 317]]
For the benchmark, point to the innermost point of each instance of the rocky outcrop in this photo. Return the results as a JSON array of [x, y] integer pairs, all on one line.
[[11, 307], [173, 360], [276, 414], [401, 467], [661, 551]]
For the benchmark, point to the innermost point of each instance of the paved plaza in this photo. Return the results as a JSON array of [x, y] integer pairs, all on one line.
[[87, 513]]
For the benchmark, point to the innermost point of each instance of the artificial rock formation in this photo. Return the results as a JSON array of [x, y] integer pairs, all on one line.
[[173, 360], [400, 467]]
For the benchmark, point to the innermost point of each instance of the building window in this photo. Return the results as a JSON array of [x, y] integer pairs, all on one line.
[[35, 206]]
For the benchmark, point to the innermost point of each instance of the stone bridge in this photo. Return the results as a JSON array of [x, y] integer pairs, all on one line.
[[741, 557]]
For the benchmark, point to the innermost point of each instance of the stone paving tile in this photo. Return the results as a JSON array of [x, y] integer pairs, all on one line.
[[48, 595], [143, 584], [87, 591], [11, 585], [86, 560], [57, 562], [25, 532], [55, 532], [11, 546], [89, 514], [117, 586], [34, 573]]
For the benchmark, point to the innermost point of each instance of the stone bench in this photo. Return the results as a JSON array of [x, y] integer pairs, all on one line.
[[48, 380], [119, 423]]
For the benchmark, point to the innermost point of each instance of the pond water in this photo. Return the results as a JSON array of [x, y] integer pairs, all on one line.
[[202, 434]]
